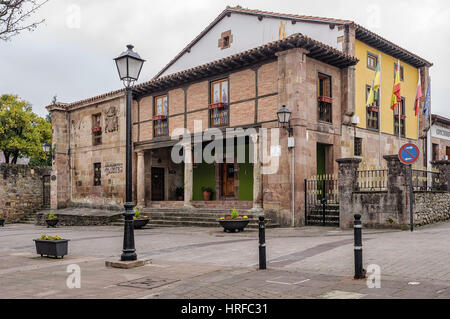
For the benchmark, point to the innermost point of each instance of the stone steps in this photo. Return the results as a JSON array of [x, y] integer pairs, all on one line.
[[27, 218], [184, 223], [194, 218]]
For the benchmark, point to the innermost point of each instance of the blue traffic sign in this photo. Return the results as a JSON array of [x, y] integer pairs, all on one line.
[[409, 154]]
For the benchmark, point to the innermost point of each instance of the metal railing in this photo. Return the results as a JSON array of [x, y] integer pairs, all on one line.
[[372, 180], [425, 181]]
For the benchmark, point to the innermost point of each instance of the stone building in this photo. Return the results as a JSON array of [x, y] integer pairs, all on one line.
[[440, 134], [236, 75]]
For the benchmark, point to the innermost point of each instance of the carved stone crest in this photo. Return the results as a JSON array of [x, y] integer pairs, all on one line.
[[111, 120]]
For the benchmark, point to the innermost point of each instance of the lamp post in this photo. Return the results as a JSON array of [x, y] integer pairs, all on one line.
[[46, 147], [129, 65]]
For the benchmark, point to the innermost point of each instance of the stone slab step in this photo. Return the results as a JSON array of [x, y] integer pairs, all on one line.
[[197, 223]]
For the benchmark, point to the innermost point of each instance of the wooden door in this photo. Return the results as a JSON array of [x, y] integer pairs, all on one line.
[[448, 152], [228, 180], [158, 184]]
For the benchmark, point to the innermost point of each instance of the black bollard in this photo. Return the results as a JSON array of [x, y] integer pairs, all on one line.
[[262, 243], [324, 207], [359, 272]]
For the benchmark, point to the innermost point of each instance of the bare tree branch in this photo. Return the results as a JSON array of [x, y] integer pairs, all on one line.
[[13, 16]]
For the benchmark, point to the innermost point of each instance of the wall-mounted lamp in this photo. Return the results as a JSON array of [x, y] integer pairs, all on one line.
[[284, 119]]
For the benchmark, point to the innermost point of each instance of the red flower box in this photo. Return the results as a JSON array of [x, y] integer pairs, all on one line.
[[402, 117], [325, 99], [97, 129], [159, 117], [217, 106], [374, 109]]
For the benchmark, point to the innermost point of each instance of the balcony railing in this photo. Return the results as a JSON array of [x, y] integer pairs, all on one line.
[[372, 180]]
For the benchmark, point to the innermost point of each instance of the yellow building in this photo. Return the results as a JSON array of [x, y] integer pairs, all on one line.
[[365, 72]]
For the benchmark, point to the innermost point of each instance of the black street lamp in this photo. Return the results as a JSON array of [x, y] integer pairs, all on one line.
[[284, 119], [129, 65], [46, 147]]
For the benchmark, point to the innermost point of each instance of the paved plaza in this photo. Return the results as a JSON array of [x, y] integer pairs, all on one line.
[[203, 263]]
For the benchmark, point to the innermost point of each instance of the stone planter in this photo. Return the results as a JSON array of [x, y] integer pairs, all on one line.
[[51, 222], [52, 248], [234, 226], [140, 223], [2, 222]]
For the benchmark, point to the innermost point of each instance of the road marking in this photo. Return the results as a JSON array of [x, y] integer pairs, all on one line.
[[287, 283], [47, 293], [337, 294]]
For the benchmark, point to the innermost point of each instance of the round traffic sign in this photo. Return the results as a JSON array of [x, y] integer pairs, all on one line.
[[409, 154]]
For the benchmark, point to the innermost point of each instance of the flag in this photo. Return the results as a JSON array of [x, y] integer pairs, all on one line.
[[418, 96], [396, 94], [427, 106], [374, 90]]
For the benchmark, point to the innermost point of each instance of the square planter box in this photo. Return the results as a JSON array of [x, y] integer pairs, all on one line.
[[52, 248]]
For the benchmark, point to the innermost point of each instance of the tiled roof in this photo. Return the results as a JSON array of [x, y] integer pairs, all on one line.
[[361, 34], [288, 15], [318, 50]]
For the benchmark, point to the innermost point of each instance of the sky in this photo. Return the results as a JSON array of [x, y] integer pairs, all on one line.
[[71, 54]]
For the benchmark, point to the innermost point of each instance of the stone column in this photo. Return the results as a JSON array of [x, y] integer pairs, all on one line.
[[444, 177], [188, 175], [257, 189], [347, 182], [140, 187], [398, 187], [60, 184], [398, 174]]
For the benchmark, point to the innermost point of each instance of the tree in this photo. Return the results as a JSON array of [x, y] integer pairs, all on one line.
[[22, 133], [14, 15]]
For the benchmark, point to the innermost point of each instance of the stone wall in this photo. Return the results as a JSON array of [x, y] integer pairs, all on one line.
[[391, 208], [21, 190], [431, 207]]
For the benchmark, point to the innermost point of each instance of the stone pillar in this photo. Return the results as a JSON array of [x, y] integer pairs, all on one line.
[[444, 177], [398, 187], [60, 187], [188, 175], [347, 182], [257, 190], [140, 185], [398, 174]]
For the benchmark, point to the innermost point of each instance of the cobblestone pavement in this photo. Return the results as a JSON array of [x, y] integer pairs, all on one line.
[[197, 263]]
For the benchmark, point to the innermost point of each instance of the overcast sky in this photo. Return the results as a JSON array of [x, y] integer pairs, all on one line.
[[71, 54]]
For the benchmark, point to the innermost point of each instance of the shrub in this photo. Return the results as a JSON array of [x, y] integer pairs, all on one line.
[[51, 215], [46, 237]]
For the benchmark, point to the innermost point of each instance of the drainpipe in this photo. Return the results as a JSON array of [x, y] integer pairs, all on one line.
[[291, 146]]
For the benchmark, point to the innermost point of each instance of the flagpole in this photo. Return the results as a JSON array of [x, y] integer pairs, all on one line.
[[379, 116], [399, 106]]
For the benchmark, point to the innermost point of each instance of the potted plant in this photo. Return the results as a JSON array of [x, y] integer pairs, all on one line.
[[139, 221], [234, 223], [207, 192], [51, 220], [51, 246], [2, 221], [179, 193]]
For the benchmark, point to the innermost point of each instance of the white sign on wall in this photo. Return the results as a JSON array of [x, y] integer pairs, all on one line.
[[440, 132]]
